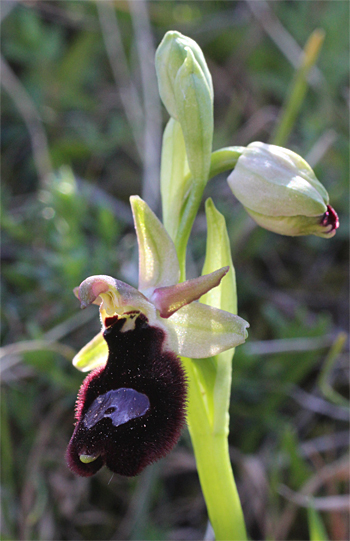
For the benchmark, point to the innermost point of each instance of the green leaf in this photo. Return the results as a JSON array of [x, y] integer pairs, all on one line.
[[209, 397], [215, 373], [317, 529], [218, 254]]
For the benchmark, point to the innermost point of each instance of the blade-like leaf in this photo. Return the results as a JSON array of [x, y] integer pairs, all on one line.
[[317, 529], [93, 355], [218, 254], [215, 376], [158, 263]]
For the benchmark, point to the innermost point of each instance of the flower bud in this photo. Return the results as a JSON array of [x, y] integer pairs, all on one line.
[[281, 193], [170, 56], [186, 89]]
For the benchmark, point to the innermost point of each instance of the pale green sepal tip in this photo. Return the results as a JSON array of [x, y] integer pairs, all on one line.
[[158, 263], [170, 56], [218, 254], [293, 226], [93, 355], [86, 459]]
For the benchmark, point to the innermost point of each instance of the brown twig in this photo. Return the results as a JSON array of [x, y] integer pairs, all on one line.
[[336, 470], [325, 503]]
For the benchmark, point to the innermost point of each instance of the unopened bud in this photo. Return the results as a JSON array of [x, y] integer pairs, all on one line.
[[186, 89], [170, 55], [281, 193]]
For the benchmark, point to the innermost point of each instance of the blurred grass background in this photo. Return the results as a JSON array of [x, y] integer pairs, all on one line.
[[81, 132]]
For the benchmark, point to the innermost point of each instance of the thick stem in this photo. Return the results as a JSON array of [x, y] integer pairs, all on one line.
[[214, 467], [209, 433], [224, 159], [186, 223]]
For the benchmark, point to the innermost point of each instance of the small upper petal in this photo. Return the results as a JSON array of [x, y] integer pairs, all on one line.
[[170, 299]]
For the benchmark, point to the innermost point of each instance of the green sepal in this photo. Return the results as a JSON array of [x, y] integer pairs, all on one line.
[[93, 355], [175, 178], [158, 263], [170, 55]]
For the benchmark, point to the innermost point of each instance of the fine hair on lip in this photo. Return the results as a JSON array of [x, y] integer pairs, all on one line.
[[129, 413]]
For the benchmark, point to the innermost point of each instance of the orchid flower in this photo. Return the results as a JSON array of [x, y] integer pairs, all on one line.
[[131, 407]]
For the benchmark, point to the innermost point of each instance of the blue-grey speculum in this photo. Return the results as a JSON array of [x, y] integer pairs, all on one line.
[[120, 405]]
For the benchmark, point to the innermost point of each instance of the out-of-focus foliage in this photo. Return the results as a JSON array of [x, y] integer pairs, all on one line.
[[288, 439]]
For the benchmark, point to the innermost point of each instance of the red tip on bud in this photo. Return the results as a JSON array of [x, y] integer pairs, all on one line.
[[330, 218]]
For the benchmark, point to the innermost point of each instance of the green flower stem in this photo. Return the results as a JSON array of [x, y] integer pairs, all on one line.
[[188, 216], [222, 160], [207, 413], [213, 465]]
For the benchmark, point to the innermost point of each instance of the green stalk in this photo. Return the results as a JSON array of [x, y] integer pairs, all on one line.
[[213, 465], [209, 393], [188, 216], [222, 160]]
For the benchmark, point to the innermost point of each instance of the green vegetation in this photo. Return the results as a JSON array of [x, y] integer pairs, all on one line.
[[79, 93]]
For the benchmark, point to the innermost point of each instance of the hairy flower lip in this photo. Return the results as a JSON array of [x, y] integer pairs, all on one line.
[[135, 434]]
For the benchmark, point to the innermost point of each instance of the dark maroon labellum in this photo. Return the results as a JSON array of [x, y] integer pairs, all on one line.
[[330, 217], [129, 413]]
